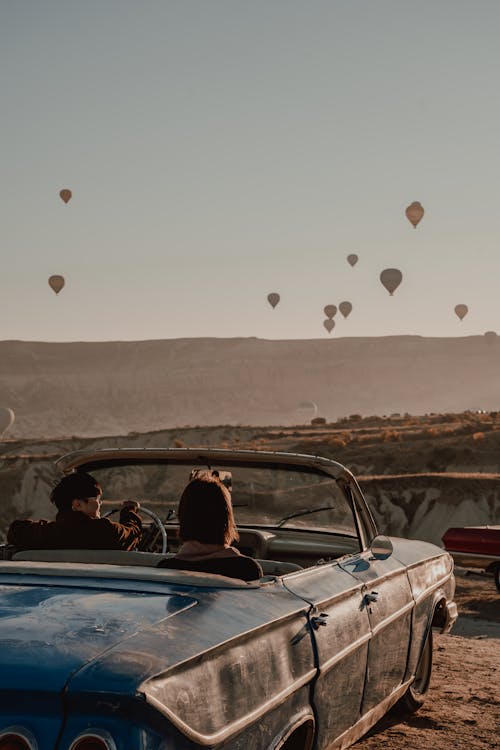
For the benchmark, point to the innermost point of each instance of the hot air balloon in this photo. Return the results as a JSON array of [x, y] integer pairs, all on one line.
[[307, 410], [329, 324], [345, 308], [330, 311], [491, 337], [56, 283], [391, 278], [65, 194], [414, 213], [352, 259], [273, 298], [7, 418], [461, 311]]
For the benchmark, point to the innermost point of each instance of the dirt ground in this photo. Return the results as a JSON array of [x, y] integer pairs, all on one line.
[[462, 711]]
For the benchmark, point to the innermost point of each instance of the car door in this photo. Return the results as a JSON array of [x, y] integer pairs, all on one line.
[[340, 628], [387, 599]]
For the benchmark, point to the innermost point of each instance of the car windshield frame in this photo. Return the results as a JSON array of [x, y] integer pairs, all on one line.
[[220, 458]]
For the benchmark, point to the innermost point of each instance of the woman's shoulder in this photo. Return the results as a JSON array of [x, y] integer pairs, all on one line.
[[234, 566], [246, 564]]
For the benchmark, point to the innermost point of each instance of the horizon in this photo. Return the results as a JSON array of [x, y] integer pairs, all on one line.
[[104, 387], [250, 338]]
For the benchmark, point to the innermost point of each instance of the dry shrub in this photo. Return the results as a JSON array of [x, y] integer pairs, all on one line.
[[368, 438], [431, 432], [336, 441], [391, 436]]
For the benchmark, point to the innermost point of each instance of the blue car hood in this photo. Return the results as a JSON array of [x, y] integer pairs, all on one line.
[[49, 633]]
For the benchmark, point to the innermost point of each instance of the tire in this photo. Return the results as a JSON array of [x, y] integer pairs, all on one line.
[[417, 692]]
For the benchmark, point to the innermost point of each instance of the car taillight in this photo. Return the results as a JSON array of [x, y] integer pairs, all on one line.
[[16, 738], [92, 739]]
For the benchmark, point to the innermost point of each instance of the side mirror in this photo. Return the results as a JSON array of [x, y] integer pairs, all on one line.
[[381, 548]]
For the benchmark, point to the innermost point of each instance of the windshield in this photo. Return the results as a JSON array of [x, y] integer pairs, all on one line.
[[283, 497]]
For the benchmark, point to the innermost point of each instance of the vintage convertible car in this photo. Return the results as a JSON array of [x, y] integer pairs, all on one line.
[[475, 547], [102, 650]]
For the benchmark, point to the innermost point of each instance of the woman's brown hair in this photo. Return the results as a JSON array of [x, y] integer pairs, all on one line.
[[206, 513]]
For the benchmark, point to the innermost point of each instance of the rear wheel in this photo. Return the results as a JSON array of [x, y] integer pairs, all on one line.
[[300, 739], [417, 692]]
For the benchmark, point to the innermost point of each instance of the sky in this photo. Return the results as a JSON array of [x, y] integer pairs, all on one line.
[[220, 150]]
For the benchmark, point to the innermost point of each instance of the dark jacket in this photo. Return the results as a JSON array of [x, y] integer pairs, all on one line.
[[244, 568], [75, 530]]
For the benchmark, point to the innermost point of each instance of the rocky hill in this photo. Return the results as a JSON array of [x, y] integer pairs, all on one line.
[[89, 389], [420, 475]]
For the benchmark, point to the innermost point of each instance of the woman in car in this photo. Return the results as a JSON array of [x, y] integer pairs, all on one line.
[[207, 530], [78, 523]]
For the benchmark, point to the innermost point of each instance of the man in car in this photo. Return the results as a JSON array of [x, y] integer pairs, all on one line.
[[78, 523]]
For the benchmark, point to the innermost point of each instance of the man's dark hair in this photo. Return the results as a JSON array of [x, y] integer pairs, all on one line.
[[75, 486], [206, 512]]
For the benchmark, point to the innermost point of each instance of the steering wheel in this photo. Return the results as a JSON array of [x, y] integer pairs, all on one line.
[[148, 541]]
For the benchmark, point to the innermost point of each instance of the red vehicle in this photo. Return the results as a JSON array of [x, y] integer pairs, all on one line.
[[475, 547]]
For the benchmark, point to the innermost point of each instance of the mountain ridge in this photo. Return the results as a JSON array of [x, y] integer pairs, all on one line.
[[96, 388]]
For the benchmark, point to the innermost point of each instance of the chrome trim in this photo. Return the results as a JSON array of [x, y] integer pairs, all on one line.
[[299, 721], [329, 663], [95, 734], [22, 733], [328, 600], [368, 527], [418, 563], [472, 559], [472, 554], [113, 456], [369, 719], [106, 457], [430, 589], [384, 623], [229, 729]]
